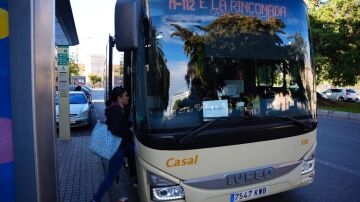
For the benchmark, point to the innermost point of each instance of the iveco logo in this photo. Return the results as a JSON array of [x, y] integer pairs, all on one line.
[[250, 176]]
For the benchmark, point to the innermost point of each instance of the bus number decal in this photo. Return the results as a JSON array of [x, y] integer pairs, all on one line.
[[304, 141]]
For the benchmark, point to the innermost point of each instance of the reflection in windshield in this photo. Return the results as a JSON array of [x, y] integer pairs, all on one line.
[[74, 99], [225, 65]]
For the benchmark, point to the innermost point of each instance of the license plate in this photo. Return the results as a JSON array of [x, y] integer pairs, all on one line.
[[249, 194]]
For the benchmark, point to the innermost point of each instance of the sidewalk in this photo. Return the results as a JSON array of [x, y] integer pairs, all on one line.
[[79, 171]]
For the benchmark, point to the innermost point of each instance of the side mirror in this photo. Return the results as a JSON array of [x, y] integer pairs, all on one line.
[[127, 17]]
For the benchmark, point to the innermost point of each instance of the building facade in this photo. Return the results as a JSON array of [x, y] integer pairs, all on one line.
[[97, 65]]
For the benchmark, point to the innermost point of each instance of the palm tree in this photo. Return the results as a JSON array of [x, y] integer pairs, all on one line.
[[159, 74], [234, 36]]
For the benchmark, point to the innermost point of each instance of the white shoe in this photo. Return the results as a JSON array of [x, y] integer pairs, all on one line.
[[123, 199]]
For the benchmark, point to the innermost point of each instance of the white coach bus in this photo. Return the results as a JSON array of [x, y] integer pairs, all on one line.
[[223, 97]]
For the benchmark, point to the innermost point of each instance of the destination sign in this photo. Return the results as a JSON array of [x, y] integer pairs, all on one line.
[[222, 7]]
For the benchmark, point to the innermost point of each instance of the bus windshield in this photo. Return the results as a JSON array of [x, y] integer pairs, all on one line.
[[206, 59]]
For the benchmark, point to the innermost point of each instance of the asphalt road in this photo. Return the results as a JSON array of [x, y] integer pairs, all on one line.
[[337, 165]]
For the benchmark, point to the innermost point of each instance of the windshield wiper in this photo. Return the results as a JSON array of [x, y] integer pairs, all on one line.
[[193, 134], [299, 123]]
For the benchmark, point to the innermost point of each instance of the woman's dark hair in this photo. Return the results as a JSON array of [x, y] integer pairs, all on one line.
[[78, 88], [115, 93]]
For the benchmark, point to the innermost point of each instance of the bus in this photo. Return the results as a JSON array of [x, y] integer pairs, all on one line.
[[223, 98]]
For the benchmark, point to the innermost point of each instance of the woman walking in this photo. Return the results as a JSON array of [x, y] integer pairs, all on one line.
[[119, 126]]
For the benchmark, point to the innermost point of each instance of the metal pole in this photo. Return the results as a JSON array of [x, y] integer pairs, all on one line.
[[106, 73], [111, 45], [63, 92]]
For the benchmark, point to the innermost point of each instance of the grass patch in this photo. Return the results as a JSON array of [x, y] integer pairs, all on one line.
[[337, 106], [353, 109]]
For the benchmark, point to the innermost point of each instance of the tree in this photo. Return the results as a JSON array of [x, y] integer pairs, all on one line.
[[313, 3], [232, 36], [158, 74], [335, 29], [74, 69], [177, 105], [241, 38], [94, 79]]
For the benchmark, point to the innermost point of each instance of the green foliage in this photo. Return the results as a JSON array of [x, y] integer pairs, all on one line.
[[338, 106], [335, 29], [74, 68], [313, 3], [177, 105], [94, 79]]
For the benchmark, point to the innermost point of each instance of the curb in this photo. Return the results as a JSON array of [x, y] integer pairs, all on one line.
[[337, 114]]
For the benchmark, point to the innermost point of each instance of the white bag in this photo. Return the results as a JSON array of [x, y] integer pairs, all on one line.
[[102, 142]]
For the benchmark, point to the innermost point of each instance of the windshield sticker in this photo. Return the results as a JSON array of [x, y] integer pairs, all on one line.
[[239, 105], [215, 108]]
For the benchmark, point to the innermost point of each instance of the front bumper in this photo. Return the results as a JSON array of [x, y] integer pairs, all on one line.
[[76, 121], [284, 183], [288, 181], [351, 98]]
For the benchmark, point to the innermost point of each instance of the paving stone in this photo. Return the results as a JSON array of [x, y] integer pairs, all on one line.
[[80, 172]]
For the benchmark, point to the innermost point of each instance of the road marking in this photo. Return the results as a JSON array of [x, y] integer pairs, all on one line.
[[337, 167]]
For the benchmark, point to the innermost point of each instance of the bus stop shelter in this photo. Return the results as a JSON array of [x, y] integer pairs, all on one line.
[[30, 29]]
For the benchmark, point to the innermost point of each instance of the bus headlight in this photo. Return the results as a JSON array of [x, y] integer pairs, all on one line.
[[164, 190], [167, 193], [308, 165]]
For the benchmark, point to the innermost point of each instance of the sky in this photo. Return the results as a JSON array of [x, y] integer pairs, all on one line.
[[94, 20]]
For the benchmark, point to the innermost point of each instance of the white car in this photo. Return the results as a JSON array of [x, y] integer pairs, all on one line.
[[341, 94], [323, 95], [79, 109]]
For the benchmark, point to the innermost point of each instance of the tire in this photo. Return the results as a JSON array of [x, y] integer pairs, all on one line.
[[341, 99], [89, 125]]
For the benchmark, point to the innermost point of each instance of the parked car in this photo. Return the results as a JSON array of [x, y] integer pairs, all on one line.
[[341, 94], [332, 94], [87, 88], [80, 114], [323, 95], [84, 90]]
